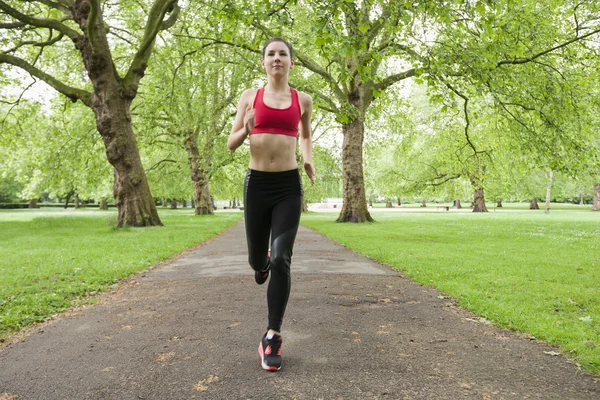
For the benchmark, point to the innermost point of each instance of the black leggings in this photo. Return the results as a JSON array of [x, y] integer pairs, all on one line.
[[272, 206]]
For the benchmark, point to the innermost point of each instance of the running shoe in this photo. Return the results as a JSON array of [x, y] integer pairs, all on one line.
[[269, 351], [261, 276]]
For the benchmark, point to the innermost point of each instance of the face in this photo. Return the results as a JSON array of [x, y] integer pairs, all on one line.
[[277, 59]]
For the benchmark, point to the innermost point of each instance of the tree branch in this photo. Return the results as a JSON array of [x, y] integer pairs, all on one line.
[[73, 93], [12, 25], [41, 23], [92, 23], [390, 80], [550, 50], [154, 24], [53, 4], [34, 43]]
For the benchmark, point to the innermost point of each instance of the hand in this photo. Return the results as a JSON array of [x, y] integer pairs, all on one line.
[[249, 120], [310, 171]]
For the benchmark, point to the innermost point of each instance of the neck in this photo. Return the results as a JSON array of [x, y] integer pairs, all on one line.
[[278, 85]]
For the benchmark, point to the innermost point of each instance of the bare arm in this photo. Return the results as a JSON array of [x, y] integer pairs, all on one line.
[[244, 120], [305, 136]]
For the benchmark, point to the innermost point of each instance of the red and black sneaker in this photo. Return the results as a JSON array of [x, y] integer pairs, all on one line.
[[269, 351], [261, 276]]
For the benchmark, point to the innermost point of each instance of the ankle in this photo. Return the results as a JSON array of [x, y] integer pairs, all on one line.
[[272, 332]]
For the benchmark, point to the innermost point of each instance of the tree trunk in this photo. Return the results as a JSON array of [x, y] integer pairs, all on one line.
[[479, 196], [388, 204], [33, 203], [77, 202], [499, 204], [533, 204], [184, 203], [479, 201], [202, 198], [173, 204], [164, 202], [133, 199], [71, 193], [457, 204], [399, 202], [103, 205], [304, 204], [111, 103], [354, 208], [549, 191], [423, 204], [596, 204], [581, 199]]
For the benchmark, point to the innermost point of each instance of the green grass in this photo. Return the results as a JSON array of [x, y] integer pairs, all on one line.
[[527, 271], [51, 259]]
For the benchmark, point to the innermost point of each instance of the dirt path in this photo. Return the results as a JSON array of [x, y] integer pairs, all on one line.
[[353, 330]]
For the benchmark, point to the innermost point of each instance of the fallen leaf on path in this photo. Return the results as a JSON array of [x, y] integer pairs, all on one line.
[[8, 396], [202, 385], [552, 353], [165, 357]]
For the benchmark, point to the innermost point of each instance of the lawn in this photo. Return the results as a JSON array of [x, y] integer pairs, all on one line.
[[524, 270], [51, 259]]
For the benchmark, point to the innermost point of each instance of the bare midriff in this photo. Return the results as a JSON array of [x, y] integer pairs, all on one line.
[[272, 152]]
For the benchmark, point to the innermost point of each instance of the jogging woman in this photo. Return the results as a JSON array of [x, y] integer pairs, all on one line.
[[276, 118]]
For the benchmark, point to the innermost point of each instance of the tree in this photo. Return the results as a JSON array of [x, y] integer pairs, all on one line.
[[355, 51], [114, 81], [55, 150]]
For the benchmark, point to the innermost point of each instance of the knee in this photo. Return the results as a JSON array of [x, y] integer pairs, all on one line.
[[280, 264], [257, 263]]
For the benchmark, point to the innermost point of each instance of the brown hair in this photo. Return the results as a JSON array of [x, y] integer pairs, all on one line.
[[277, 39]]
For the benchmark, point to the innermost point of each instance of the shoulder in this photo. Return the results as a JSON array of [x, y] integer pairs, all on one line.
[[304, 99], [247, 97], [249, 93]]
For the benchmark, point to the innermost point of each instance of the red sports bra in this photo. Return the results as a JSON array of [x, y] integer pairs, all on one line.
[[283, 121]]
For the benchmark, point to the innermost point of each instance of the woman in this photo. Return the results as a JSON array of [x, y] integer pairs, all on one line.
[[275, 118]]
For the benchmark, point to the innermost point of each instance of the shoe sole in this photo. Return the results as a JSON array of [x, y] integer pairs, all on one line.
[[262, 360]]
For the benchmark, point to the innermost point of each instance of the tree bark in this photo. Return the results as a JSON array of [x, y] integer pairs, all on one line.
[[173, 204], [103, 205], [479, 195], [202, 198], [33, 203], [479, 201], [354, 208], [499, 204], [111, 103], [533, 204], [457, 204], [596, 204], [399, 202], [304, 204], [388, 204], [549, 191]]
